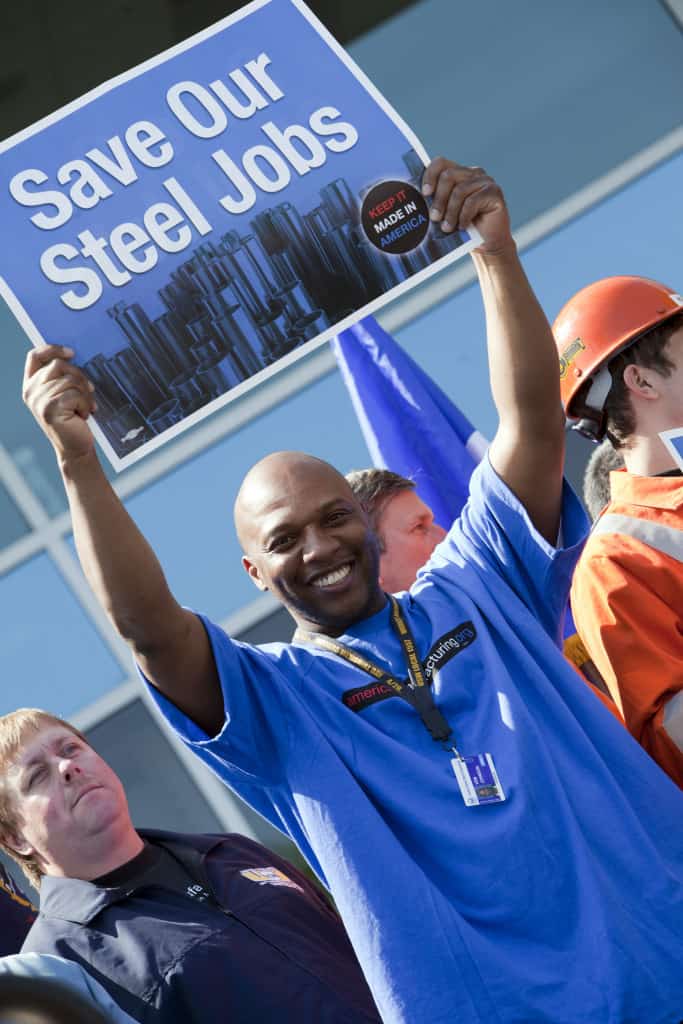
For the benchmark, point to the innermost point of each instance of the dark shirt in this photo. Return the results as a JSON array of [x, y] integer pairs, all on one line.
[[205, 929], [133, 870], [155, 866]]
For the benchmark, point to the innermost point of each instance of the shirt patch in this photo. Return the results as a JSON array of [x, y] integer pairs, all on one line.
[[270, 876], [197, 892], [445, 648], [363, 696]]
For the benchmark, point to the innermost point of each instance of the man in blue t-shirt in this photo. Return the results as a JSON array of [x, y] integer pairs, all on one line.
[[499, 848]]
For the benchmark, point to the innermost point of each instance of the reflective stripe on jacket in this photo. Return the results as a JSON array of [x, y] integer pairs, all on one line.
[[627, 600]]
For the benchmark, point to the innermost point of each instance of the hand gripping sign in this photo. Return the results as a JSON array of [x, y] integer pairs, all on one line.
[[209, 217]]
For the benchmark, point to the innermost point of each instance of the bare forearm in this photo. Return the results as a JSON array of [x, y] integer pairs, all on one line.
[[522, 355], [528, 449], [119, 564], [170, 644]]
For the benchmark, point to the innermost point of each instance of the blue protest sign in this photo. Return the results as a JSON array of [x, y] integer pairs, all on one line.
[[209, 217]]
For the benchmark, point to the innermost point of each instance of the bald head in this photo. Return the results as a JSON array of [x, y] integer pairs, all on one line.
[[306, 539], [277, 479]]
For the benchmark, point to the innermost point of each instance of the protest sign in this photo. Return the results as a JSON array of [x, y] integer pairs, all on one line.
[[673, 439], [209, 217]]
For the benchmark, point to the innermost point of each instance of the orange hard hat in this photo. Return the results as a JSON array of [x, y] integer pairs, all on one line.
[[597, 323]]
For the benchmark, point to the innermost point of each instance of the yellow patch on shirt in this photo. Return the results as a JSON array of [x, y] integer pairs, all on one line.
[[269, 876]]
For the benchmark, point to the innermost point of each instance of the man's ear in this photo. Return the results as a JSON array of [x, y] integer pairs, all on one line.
[[16, 842], [381, 565], [641, 381], [253, 573]]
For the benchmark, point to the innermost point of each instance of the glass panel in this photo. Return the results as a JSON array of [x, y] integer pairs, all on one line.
[[274, 628], [12, 523], [51, 655], [27, 446], [545, 96]]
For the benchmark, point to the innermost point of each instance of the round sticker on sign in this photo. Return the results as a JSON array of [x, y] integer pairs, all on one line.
[[395, 217]]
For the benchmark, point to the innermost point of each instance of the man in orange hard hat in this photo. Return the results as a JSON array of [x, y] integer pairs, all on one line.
[[620, 342]]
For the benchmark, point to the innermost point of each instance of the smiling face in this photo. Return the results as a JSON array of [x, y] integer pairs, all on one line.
[[409, 535], [307, 539], [65, 799]]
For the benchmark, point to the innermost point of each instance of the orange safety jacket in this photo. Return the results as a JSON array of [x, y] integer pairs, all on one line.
[[627, 603]]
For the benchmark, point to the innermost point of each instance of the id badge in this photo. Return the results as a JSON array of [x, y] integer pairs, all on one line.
[[478, 779]]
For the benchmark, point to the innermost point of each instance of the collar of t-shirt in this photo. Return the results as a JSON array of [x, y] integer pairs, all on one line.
[[154, 865]]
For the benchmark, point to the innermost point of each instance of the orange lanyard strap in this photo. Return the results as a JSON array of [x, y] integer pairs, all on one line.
[[416, 691]]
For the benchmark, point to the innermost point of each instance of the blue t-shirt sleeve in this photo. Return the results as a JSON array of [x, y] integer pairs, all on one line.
[[254, 739], [495, 533]]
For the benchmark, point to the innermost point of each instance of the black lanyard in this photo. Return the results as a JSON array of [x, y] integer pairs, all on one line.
[[415, 691]]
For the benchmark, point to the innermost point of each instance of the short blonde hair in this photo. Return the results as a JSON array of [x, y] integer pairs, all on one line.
[[15, 728]]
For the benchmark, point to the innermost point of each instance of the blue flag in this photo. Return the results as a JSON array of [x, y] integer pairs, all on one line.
[[410, 426]]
